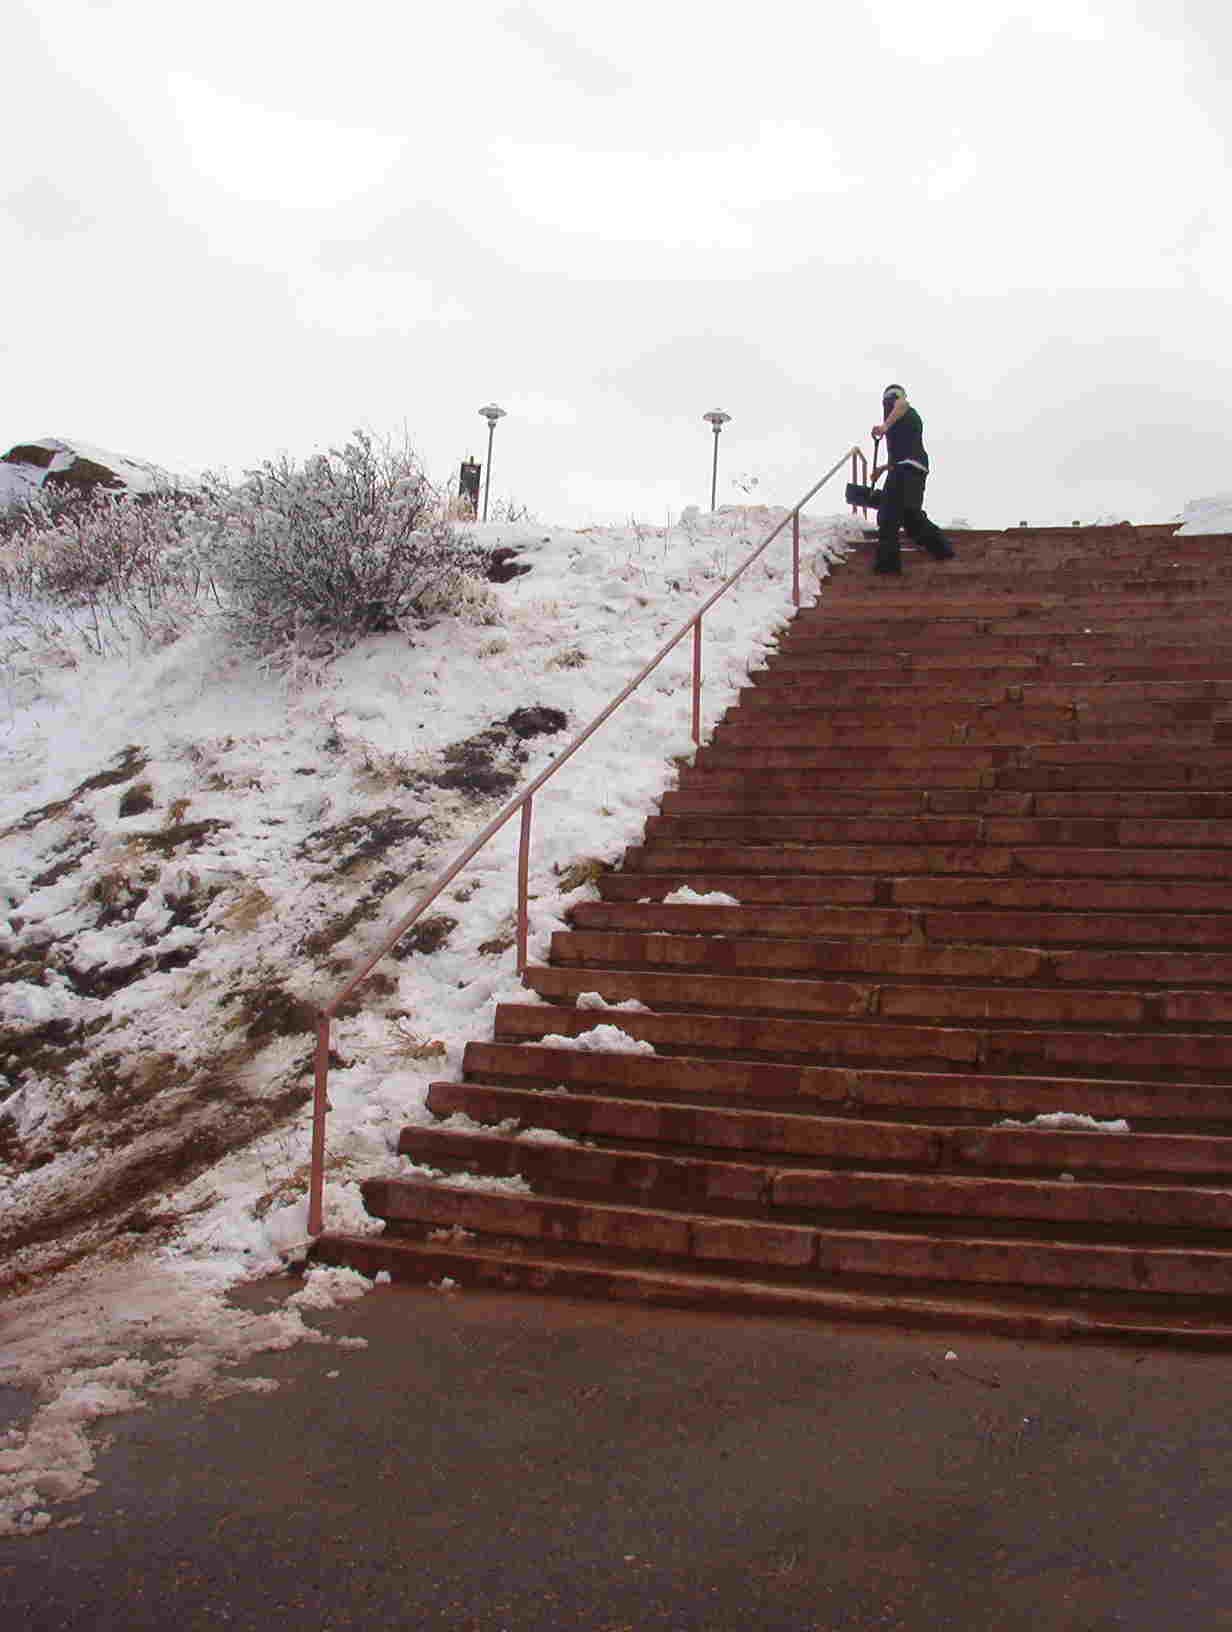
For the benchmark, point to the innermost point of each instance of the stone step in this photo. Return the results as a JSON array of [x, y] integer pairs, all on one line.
[[898, 959], [714, 1128], [1152, 663], [856, 594], [952, 860], [856, 1091], [1002, 705], [784, 1188], [673, 1233], [892, 996], [555, 1271], [1037, 769], [873, 923], [1196, 720], [1001, 728], [1072, 765], [1072, 894], [929, 890], [1167, 935], [1197, 1056], [1043, 831], [1039, 642], [973, 584], [833, 1139], [1158, 931], [969, 610], [745, 828], [877, 769], [720, 795], [851, 690]]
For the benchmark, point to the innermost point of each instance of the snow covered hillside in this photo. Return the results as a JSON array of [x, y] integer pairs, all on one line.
[[194, 849]]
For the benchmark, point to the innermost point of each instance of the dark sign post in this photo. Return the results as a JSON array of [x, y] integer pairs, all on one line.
[[468, 483]]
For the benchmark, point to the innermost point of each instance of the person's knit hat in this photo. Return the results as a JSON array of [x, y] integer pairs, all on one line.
[[892, 393]]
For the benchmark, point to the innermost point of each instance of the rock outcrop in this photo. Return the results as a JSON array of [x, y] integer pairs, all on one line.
[[53, 463]]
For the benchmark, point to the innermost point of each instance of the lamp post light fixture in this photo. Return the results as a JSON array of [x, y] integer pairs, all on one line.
[[718, 419], [491, 413]]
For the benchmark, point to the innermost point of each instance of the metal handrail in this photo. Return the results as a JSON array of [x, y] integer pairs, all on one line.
[[523, 802]]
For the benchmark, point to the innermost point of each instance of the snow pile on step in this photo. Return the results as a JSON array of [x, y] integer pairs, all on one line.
[[685, 897], [599, 1040], [1077, 1120]]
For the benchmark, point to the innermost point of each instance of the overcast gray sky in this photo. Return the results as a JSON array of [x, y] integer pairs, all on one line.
[[237, 229]]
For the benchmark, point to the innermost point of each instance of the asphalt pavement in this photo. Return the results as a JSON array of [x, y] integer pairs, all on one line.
[[501, 1464]]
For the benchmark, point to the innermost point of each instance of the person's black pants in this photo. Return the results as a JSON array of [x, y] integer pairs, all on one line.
[[902, 505]]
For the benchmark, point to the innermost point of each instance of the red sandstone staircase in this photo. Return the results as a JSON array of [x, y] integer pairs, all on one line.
[[979, 825]]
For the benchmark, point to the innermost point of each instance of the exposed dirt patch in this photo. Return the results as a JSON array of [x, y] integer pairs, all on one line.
[[504, 565], [569, 657], [433, 1050], [252, 906], [179, 1140], [24, 966], [166, 841], [379, 984], [129, 764], [138, 799], [474, 767], [73, 852], [50, 1047], [271, 1011], [589, 870], [428, 935], [189, 906], [106, 979], [539, 721], [361, 839], [324, 940], [118, 898], [10, 1144], [488, 765]]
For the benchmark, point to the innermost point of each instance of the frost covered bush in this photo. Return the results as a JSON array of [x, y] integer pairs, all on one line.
[[346, 544], [41, 510], [106, 567]]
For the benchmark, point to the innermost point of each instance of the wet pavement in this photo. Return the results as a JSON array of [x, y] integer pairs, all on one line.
[[499, 1464]]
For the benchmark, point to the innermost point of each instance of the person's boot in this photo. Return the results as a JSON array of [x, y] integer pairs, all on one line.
[[888, 559]]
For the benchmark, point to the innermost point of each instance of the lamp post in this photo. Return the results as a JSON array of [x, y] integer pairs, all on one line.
[[718, 419], [491, 413]]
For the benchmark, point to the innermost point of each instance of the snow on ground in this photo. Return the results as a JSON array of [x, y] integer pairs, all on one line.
[[194, 849], [1210, 515]]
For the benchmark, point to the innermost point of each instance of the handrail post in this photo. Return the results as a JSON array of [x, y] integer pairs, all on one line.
[[795, 558], [697, 682], [320, 1105], [523, 876]]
